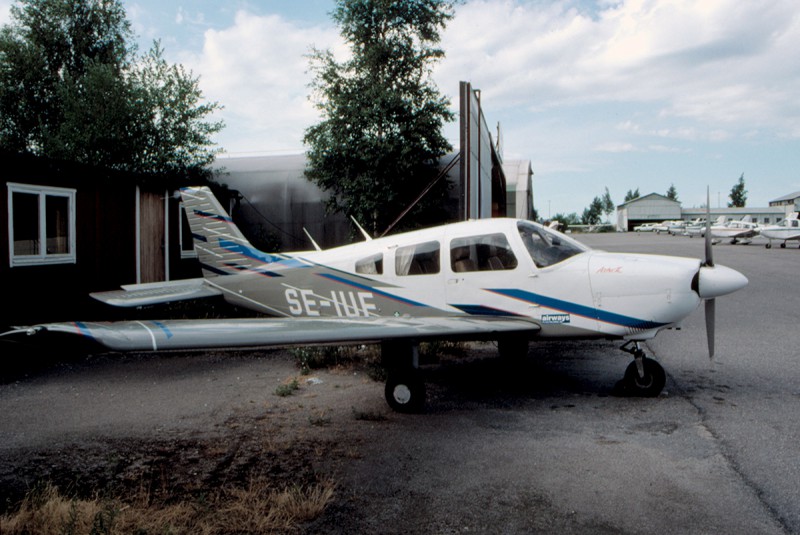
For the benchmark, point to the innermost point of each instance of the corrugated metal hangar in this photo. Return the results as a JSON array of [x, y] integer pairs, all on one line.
[[276, 201], [655, 208]]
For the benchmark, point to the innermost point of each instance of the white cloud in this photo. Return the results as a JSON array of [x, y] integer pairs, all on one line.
[[5, 11], [701, 70], [593, 93], [720, 62], [257, 68], [615, 146]]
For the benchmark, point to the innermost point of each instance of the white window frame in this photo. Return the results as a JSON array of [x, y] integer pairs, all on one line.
[[42, 258]]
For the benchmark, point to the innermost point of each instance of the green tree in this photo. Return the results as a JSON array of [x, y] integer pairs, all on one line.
[[378, 143], [672, 193], [591, 214], [738, 194], [178, 137], [566, 220], [631, 195], [608, 204], [72, 87]]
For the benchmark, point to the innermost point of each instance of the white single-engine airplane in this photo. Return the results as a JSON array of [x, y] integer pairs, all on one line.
[[741, 231], [501, 279], [788, 229]]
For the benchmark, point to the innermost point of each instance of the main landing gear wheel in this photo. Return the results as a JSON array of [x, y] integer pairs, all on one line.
[[405, 391], [649, 383]]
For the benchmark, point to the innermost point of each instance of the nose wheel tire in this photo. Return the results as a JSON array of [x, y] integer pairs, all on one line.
[[405, 391], [650, 383]]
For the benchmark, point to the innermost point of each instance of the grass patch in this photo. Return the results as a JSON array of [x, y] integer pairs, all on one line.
[[287, 389], [255, 508], [367, 358], [317, 357], [436, 349]]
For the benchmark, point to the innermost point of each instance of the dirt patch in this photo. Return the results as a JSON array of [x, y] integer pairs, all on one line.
[[175, 428]]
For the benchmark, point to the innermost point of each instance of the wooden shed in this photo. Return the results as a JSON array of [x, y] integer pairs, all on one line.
[[71, 229]]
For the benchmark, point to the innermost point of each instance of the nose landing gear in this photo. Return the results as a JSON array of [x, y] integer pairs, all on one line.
[[644, 377]]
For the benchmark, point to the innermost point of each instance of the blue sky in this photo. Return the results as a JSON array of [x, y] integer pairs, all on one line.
[[622, 94]]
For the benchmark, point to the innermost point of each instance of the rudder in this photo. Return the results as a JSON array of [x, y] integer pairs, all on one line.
[[221, 247]]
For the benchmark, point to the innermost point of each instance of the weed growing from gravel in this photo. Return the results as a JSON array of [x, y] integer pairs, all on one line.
[[287, 389]]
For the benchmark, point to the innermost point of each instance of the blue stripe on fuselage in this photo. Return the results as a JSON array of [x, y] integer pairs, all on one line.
[[481, 310], [579, 310], [381, 293]]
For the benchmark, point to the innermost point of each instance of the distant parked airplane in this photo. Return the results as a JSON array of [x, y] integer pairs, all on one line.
[[741, 231], [788, 229]]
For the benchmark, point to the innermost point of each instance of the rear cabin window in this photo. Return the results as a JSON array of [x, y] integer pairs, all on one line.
[[489, 252], [419, 259], [372, 265]]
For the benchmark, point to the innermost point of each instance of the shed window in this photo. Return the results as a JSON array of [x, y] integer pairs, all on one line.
[[41, 225]]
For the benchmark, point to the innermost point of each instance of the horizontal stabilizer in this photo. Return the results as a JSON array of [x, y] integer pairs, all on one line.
[[255, 332], [152, 293]]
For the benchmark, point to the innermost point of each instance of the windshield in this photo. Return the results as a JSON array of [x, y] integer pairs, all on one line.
[[546, 246]]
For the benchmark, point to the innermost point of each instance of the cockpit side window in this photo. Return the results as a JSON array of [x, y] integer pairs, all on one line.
[[547, 247], [419, 259], [489, 252]]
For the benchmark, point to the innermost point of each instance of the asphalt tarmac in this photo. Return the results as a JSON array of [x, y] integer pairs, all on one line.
[[542, 447], [550, 449]]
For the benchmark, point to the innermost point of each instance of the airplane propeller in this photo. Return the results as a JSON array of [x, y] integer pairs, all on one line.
[[711, 304], [714, 281]]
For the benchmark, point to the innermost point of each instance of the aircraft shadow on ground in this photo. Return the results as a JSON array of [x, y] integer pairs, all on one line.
[[550, 370]]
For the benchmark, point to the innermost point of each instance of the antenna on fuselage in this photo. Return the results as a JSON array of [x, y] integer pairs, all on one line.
[[317, 247], [363, 232]]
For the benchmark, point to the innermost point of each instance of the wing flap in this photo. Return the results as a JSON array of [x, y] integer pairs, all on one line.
[[254, 332], [134, 295]]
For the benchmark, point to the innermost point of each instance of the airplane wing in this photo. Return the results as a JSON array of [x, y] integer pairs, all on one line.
[[134, 295], [254, 332]]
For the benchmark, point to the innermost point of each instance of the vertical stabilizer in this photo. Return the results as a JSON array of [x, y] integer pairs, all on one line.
[[221, 247]]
